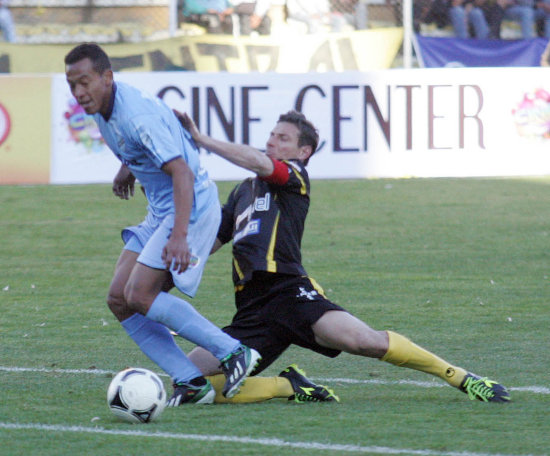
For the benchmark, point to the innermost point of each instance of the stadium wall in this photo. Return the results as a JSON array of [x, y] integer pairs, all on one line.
[[391, 123]]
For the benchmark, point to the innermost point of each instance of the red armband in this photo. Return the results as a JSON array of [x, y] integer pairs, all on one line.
[[279, 176]]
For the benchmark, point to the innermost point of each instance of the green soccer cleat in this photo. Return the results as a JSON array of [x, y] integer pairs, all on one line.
[[237, 366], [304, 389], [483, 389], [187, 393]]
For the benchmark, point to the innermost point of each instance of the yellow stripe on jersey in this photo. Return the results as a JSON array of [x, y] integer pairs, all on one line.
[[271, 264], [303, 188], [238, 269], [317, 287]]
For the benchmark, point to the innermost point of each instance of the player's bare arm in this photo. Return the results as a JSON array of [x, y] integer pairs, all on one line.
[[239, 154], [176, 251], [123, 183]]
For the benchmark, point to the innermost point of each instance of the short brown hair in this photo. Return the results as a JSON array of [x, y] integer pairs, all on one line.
[[309, 136]]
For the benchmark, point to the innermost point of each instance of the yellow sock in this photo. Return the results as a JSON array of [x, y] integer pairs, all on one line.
[[254, 389], [403, 352]]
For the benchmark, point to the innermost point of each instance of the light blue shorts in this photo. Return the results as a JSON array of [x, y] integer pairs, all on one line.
[[149, 238]]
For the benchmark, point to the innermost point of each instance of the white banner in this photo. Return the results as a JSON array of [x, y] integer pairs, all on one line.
[[392, 123]]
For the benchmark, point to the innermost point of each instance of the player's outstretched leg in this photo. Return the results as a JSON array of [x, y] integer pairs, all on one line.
[[197, 391], [304, 389], [403, 352], [236, 367], [483, 389]]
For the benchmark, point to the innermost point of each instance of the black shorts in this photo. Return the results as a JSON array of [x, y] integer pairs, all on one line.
[[275, 311]]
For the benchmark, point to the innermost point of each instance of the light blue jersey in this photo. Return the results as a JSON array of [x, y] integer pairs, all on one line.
[[144, 134]]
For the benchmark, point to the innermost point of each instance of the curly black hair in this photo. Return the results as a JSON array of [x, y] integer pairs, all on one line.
[[98, 57]]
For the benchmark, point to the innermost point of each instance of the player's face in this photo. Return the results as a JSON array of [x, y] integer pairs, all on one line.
[[91, 89], [283, 143]]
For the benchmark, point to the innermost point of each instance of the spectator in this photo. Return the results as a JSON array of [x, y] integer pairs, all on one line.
[[465, 14], [522, 12], [7, 26], [482, 17], [253, 16], [542, 16], [354, 12], [315, 14], [214, 15], [425, 12], [494, 14], [361, 14]]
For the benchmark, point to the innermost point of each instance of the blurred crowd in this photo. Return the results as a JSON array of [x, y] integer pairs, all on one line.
[[468, 18], [483, 19], [7, 26], [480, 19], [245, 17]]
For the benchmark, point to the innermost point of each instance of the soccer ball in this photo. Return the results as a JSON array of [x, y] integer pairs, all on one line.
[[136, 395]]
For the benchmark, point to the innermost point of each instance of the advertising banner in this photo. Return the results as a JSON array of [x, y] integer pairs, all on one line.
[[362, 50], [25, 111], [398, 123], [456, 52]]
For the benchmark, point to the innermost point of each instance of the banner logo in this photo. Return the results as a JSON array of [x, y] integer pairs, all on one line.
[[532, 115], [5, 124], [82, 128]]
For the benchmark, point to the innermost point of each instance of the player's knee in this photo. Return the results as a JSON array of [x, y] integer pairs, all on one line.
[[136, 300], [131, 296], [116, 303], [360, 342], [369, 343]]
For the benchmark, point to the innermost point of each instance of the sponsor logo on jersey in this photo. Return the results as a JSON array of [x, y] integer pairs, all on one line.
[[127, 162], [261, 204], [252, 227], [307, 294], [194, 261]]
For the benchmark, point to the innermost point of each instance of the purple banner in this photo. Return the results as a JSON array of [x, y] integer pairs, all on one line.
[[456, 52]]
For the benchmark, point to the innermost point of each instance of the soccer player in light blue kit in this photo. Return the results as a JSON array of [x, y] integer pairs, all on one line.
[[171, 246]]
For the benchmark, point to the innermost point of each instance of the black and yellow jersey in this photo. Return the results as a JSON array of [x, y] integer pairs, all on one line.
[[266, 222]]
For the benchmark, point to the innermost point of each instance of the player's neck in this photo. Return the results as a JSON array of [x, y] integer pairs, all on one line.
[[106, 113]]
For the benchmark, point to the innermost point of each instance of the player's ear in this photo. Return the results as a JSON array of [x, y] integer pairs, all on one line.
[[108, 76], [305, 152]]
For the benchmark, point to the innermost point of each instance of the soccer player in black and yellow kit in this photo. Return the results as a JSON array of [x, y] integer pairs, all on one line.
[[278, 304]]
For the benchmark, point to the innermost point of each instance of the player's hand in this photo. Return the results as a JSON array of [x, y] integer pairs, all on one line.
[[123, 183], [188, 123], [176, 255]]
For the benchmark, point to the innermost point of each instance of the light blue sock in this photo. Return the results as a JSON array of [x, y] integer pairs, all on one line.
[[181, 317], [158, 344]]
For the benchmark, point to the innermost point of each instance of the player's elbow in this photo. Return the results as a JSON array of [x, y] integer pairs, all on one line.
[[262, 165]]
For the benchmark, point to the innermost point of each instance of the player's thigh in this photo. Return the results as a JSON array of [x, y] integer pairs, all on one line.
[[151, 257], [143, 286]]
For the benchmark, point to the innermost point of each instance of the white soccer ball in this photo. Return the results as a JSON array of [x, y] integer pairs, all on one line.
[[136, 395]]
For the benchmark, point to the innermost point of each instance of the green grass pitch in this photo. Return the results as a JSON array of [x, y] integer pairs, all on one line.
[[461, 266]]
